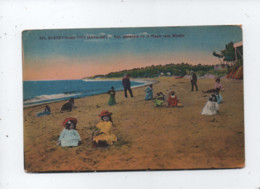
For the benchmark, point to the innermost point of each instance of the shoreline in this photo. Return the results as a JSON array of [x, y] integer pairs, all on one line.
[[149, 138], [145, 81]]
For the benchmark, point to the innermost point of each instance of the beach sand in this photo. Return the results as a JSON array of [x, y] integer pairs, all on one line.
[[149, 137]]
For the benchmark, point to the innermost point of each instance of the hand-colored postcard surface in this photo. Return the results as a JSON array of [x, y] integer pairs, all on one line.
[[120, 99]]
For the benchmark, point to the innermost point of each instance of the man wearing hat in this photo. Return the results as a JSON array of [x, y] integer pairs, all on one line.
[[193, 80]]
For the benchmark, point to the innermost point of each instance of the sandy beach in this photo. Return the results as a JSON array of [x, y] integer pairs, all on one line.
[[148, 137]]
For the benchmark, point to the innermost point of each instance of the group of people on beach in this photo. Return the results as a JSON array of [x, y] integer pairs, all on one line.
[[210, 108], [102, 134], [160, 98]]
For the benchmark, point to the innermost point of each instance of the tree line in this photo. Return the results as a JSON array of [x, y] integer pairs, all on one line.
[[171, 69]]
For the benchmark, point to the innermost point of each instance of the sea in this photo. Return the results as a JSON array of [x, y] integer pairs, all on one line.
[[39, 92]]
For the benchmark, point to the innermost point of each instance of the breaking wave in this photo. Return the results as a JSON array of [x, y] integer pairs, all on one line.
[[44, 98]]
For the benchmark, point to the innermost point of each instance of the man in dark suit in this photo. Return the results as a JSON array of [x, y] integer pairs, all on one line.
[[127, 85], [193, 80]]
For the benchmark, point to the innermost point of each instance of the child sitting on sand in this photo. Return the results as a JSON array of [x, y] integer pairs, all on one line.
[[103, 136], [47, 111], [112, 99], [68, 106], [159, 99], [211, 106], [173, 101], [149, 92], [218, 86], [69, 136]]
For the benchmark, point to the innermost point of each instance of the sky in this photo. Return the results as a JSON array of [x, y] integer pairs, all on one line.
[[77, 53]]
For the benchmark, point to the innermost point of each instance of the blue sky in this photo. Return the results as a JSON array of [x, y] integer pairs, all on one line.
[[196, 46]]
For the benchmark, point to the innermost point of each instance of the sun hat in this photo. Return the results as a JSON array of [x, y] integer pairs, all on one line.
[[104, 113], [71, 119]]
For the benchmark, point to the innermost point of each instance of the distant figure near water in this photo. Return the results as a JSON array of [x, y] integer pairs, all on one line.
[[112, 99], [127, 85], [149, 92], [193, 80], [68, 106], [47, 111]]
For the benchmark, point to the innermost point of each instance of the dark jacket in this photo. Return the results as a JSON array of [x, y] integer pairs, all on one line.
[[126, 82], [194, 77]]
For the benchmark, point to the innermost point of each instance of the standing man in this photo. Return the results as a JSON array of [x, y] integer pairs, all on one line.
[[193, 80], [127, 85]]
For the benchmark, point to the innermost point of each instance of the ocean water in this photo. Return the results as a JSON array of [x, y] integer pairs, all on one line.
[[37, 92]]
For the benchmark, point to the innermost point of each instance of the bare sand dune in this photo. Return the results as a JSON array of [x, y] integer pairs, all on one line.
[[149, 137]]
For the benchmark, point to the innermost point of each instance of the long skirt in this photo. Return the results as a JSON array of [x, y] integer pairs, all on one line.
[[112, 100]]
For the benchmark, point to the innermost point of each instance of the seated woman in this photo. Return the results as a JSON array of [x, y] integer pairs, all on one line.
[[47, 111], [173, 101], [149, 92], [112, 99], [68, 106], [72, 102], [103, 136], [211, 107], [159, 100], [217, 86], [69, 136]]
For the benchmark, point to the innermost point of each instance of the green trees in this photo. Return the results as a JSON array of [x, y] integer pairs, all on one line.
[[229, 53], [166, 70]]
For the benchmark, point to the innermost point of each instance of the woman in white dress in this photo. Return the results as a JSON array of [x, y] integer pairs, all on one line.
[[211, 107]]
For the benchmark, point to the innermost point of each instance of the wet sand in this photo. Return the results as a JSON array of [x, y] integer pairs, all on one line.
[[149, 137]]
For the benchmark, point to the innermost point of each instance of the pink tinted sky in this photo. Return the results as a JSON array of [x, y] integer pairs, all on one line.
[[58, 68], [47, 57]]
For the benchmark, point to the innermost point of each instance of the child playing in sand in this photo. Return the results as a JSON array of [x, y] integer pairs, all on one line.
[[149, 92], [159, 100], [173, 101], [69, 136], [112, 99], [103, 136], [47, 111], [218, 86], [211, 107]]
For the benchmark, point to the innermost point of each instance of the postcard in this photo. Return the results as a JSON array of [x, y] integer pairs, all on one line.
[[128, 99]]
